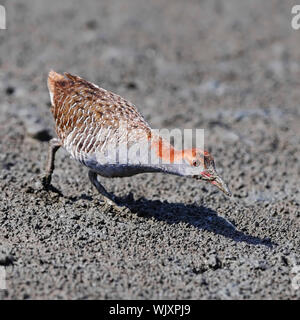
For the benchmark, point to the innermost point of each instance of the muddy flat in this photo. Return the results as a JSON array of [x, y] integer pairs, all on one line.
[[231, 68]]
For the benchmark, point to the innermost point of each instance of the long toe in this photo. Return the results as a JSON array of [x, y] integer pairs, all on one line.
[[111, 205]]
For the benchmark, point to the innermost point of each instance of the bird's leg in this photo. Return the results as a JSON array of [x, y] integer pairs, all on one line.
[[107, 196], [98, 185], [54, 145]]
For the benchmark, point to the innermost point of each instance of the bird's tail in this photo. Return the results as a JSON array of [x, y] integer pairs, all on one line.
[[53, 79]]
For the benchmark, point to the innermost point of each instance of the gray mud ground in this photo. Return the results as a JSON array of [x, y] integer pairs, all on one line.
[[230, 67]]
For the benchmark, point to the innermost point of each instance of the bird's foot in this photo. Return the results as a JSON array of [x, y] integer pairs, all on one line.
[[40, 184], [45, 182], [109, 204], [109, 200]]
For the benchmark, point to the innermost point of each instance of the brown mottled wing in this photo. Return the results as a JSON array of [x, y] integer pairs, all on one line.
[[88, 117]]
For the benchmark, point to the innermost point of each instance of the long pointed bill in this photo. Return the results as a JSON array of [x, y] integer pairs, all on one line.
[[218, 182]]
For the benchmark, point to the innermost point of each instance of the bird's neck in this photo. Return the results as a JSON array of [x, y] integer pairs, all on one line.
[[166, 152], [170, 159]]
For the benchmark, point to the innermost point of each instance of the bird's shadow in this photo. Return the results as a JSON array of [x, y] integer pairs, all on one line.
[[197, 216], [200, 217]]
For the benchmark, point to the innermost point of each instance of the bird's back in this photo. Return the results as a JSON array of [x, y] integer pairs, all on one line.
[[90, 119]]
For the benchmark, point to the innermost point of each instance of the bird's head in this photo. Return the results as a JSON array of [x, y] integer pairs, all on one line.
[[202, 167]]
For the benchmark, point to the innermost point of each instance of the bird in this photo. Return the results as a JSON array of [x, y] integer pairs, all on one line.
[[107, 134]]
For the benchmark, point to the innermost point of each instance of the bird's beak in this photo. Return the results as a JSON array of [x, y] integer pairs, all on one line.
[[218, 182]]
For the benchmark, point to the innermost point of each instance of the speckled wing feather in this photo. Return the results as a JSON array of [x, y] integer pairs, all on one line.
[[89, 119]]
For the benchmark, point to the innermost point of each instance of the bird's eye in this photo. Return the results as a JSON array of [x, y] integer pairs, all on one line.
[[196, 163]]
